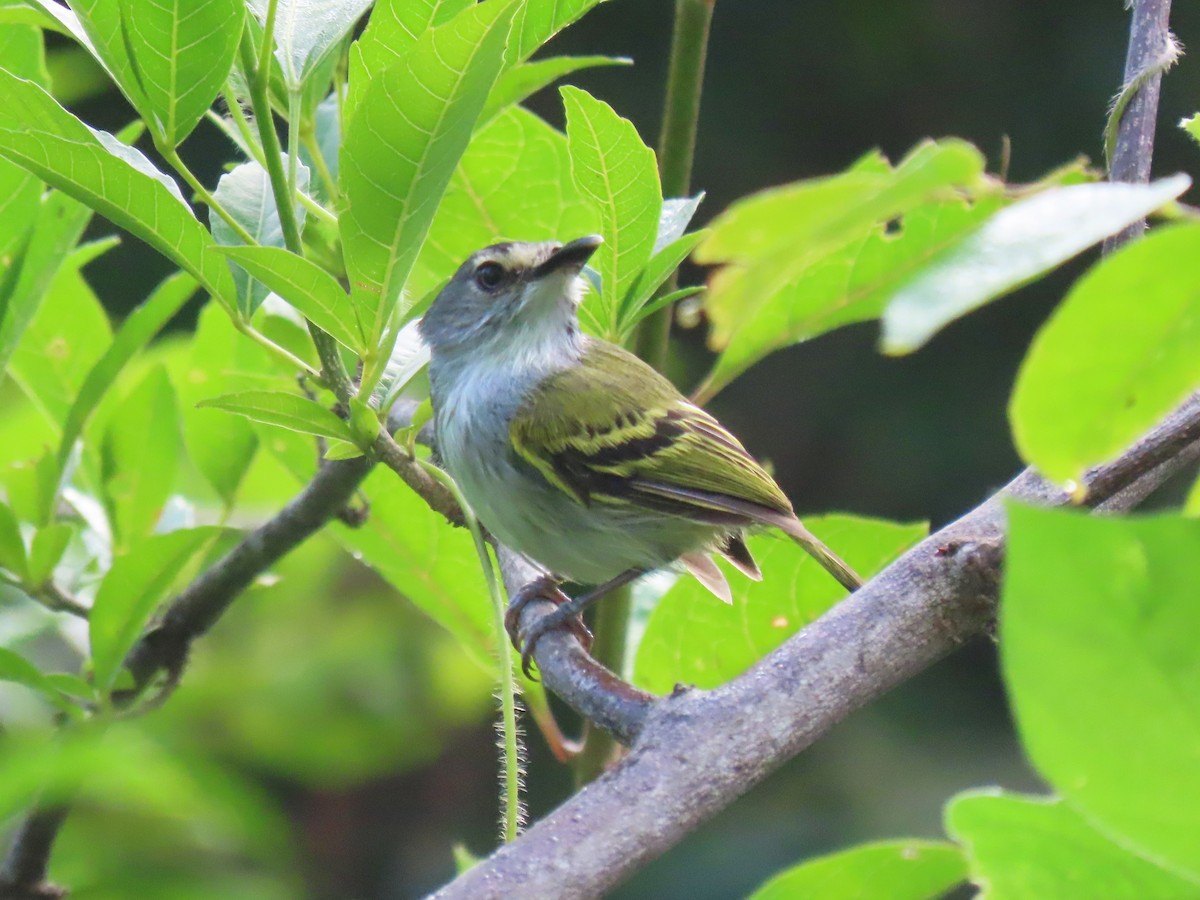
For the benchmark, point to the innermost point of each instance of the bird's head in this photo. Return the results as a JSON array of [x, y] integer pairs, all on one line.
[[507, 291]]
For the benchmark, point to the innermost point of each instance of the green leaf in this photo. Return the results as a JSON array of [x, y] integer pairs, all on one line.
[[12, 545], [247, 195], [221, 446], [611, 166], [49, 544], [666, 300], [68, 334], [661, 266], [180, 52], [306, 31], [289, 411], [38, 134], [105, 36], [134, 334], [21, 51], [392, 30], [694, 638], [17, 669], [1192, 126], [403, 144], [513, 183], [140, 456], [57, 227], [1097, 640], [535, 23], [1096, 377], [791, 259], [343, 450], [433, 566], [519, 82], [306, 286], [1013, 247], [71, 685], [131, 592], [898, 870], [1026, 847]]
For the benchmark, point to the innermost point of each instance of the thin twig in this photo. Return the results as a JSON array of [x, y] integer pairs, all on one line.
[[1129, 135], [696, 751]]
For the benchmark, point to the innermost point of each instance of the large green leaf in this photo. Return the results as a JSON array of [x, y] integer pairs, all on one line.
[[306, 286], [247, 195], [1013, 247], [180, 52], [1097, 637], [104, 36], [58, 223], [17, 669], [136, 331], [12, 545], [618, 173], [434, 566], [513, 183], [392, 30], [21, 51], [38, 134], [897, 870], [1097, 376], [402, 146], [1020, 848], [694, 638], [537, 21], [289, 411], [773, 241], [140, 456], [130, 593]]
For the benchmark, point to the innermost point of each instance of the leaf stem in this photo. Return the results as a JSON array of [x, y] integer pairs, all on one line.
[[510, 798], [677, 146], [293, 146], [172, 158], [281, 353], [309, 140]]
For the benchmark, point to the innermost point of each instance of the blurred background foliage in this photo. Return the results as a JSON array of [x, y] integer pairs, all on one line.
[[336, 743]]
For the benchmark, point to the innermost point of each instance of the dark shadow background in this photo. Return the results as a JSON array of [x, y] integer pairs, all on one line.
[[796, 90]]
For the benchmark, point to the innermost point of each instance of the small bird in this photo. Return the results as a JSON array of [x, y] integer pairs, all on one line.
[[574, 452]]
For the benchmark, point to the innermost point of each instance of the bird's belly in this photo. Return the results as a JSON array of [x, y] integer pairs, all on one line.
[[586, 544]]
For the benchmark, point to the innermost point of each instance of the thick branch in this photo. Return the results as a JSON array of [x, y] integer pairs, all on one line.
[[696, 751], [23, 875]]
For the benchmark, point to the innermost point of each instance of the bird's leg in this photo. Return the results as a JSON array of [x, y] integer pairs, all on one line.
[[568, 613]]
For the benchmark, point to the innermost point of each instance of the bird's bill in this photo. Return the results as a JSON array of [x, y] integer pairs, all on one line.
[[573, 255]]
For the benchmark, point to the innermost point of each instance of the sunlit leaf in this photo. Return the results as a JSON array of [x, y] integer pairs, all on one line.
[[1025, 847], [289, 411], [1096, 377], [46, 550], [12, 546], [403, 143], [16, 668], [1013, 247], [307, 30], [37, 133], [618, 173], [898, 870], [1097, 625], [519, 82]]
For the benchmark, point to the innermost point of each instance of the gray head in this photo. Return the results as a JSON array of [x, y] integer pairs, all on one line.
[[508, 289]]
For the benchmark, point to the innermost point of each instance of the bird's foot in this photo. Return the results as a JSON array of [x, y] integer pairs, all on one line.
[[542, 588]]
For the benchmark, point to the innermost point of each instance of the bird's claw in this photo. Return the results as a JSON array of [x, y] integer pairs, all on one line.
[[544, 588]]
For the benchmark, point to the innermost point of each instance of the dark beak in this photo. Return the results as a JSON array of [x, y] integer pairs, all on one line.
[[573, 255]]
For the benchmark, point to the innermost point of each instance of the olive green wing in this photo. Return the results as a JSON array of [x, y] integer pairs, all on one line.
[[612, 430]]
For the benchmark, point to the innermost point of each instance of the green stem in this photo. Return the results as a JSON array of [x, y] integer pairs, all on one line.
[[611, 630], [309, 140], [293, 147], [677, 146], [208, 199], [332, 370], [316, 209], [261, 105], [286, 355], [510, 797]]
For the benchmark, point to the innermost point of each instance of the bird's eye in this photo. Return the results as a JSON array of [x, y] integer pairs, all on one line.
[[489, 275]]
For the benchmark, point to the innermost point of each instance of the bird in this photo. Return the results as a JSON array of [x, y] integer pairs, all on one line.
[[574, 452]]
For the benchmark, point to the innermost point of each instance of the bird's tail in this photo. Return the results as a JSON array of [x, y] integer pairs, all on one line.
[[830, 561]]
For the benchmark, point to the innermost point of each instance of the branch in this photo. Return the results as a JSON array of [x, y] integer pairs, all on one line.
[[1129, 136], [23, 875], [696, 751]]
